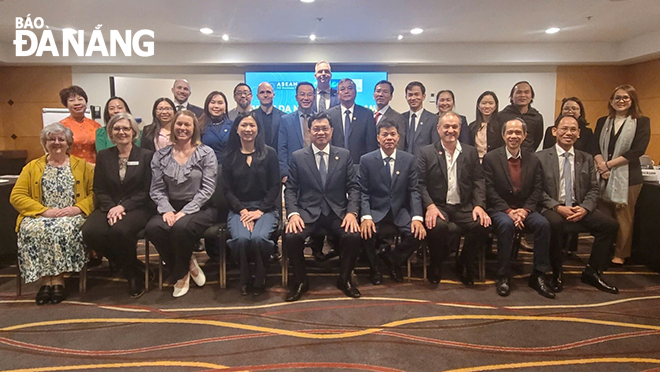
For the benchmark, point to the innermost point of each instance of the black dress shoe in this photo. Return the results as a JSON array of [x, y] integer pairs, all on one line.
[[243, 289], [541, 285], [464, 274], [434, 276], [330, 255], [394, 270], [557, 282], [43, 296], [593, 278], [297, 291], [375, 277], [57, 294], [502, 286], [348, 288], [318, 256], [136, 286], [275, 257]]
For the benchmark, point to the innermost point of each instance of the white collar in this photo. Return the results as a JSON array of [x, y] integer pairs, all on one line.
[[418, 113], [382, 111], [560, 151], [316, 150], [384, 155], [185, 104], [458, 149], [343, 109], [509, 155]]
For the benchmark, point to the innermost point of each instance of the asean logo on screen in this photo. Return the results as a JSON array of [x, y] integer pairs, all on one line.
[[73, 42]]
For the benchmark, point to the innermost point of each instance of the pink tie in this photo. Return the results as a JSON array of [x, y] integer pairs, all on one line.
[[378, 114]]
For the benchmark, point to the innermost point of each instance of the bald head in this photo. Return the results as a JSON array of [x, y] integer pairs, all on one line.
[[265, 94], [181, 91]]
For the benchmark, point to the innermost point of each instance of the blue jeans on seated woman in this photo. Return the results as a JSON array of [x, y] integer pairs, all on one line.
[[252, 247]]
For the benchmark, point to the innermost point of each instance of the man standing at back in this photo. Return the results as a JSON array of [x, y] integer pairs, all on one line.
[[294, 132], [383, 92], [420, 123], [325, 97], [354, 126], [243, 98], [268, 116], [181, 91], [521, 98]]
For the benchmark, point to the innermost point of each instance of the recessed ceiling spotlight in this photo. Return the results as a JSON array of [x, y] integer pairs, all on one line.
[[306, 1], [552, 30], [416, 31], [225, 37], [206, 31], [399, 37], [312, 37]]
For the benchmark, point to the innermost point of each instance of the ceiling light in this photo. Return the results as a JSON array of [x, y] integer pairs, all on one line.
[[307, 1], [206, 31], [552, 30], [225, 37], [416, 31], [399, 37], [312, 37]]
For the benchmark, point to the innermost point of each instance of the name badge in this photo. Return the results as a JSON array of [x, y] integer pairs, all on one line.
[[132, 163]]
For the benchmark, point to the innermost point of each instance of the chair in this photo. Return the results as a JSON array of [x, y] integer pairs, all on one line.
[[82, 279]]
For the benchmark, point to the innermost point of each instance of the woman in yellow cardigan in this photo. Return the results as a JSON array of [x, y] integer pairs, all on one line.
[[53, 195]]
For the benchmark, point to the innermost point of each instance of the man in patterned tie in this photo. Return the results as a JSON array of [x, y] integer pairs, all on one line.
[[570, 198]]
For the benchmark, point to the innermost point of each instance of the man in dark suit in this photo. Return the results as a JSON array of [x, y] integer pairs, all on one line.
[[390, 200], [267, 115], [354, 126], [325, 96], [570, 198], [293, 131], [182, 91], [453, 188], [322, 195], [383, 92], [420, 123], [514, 189]]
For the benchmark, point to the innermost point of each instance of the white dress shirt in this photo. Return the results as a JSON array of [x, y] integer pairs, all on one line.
[[326, 155], [419, 115], [453, 195], [343, 115], [562, 183]]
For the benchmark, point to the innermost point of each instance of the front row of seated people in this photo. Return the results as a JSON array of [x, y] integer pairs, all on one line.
[[168, 194]]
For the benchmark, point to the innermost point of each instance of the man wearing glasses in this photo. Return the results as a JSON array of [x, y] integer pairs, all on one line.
[[243, 97]]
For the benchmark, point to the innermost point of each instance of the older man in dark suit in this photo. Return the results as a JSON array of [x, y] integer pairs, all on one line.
[[421, 124], [354, 126], [383, 92], [453, 188], [390, 199], [322, 195], [570, 198], [514, 189]]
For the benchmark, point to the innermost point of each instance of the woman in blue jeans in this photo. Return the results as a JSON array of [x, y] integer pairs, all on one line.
[[252, 189]]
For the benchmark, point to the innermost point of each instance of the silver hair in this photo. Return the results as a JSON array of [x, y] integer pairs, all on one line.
[[123, 116], [53, 129], [449, 113], [319, 62]]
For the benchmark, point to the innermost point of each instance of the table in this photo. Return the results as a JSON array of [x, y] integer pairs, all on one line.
[[646, 231], [8, 217]]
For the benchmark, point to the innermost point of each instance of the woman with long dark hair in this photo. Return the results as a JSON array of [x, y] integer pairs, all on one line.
[[252, 188], [620, 139], [485, 137], [215, 124], [157, 134]]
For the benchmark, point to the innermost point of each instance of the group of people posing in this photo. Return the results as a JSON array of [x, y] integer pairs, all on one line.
[[356, 176]]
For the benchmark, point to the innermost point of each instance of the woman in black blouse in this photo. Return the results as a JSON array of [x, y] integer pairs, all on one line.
[[252, 188], [574, 107], [620, 139], [121, 187]]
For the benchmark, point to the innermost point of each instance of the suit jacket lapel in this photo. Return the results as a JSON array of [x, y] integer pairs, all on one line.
[[299, 131], [310, 159], [554, 170], [398, 166], [332, 164], [442, 161], [350, 128], [420, 124], [576, 176], [505, 166], [130, 169], [113, 167]]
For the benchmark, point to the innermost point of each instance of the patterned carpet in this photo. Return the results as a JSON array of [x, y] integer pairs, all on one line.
[[413, 326]]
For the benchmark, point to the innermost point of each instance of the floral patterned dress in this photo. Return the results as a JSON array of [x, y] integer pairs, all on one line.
[[51, 246]]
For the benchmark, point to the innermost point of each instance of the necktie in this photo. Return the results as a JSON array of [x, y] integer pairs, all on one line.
[[388, 169], [323, 169], [377, 116], [568, 180], [307, 138], [347, 127], [411, 133], [179, 108], [322, 105]]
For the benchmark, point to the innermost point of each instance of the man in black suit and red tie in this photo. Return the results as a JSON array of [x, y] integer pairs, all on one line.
[[322, 195], [390, 200], [514, 189], [453, 189], [421, 124]]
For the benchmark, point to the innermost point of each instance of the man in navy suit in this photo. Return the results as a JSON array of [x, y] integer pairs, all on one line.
[[267, 115], [354, 125], [322, 195], [325, 96], [181, 91], [390, 199], [420, 123], [293, 133]]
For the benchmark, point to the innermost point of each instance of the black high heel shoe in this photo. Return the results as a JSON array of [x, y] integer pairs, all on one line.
[[43, 296]]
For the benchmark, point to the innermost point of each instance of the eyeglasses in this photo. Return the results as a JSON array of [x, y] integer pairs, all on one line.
[[243, 93], [317, 130], [164, 109], [571, 109], [621, 98], [120, 129]]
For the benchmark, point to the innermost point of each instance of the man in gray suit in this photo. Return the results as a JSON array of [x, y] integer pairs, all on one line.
[[383, 92], [420, 123], [322, 194], [569, 200]]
